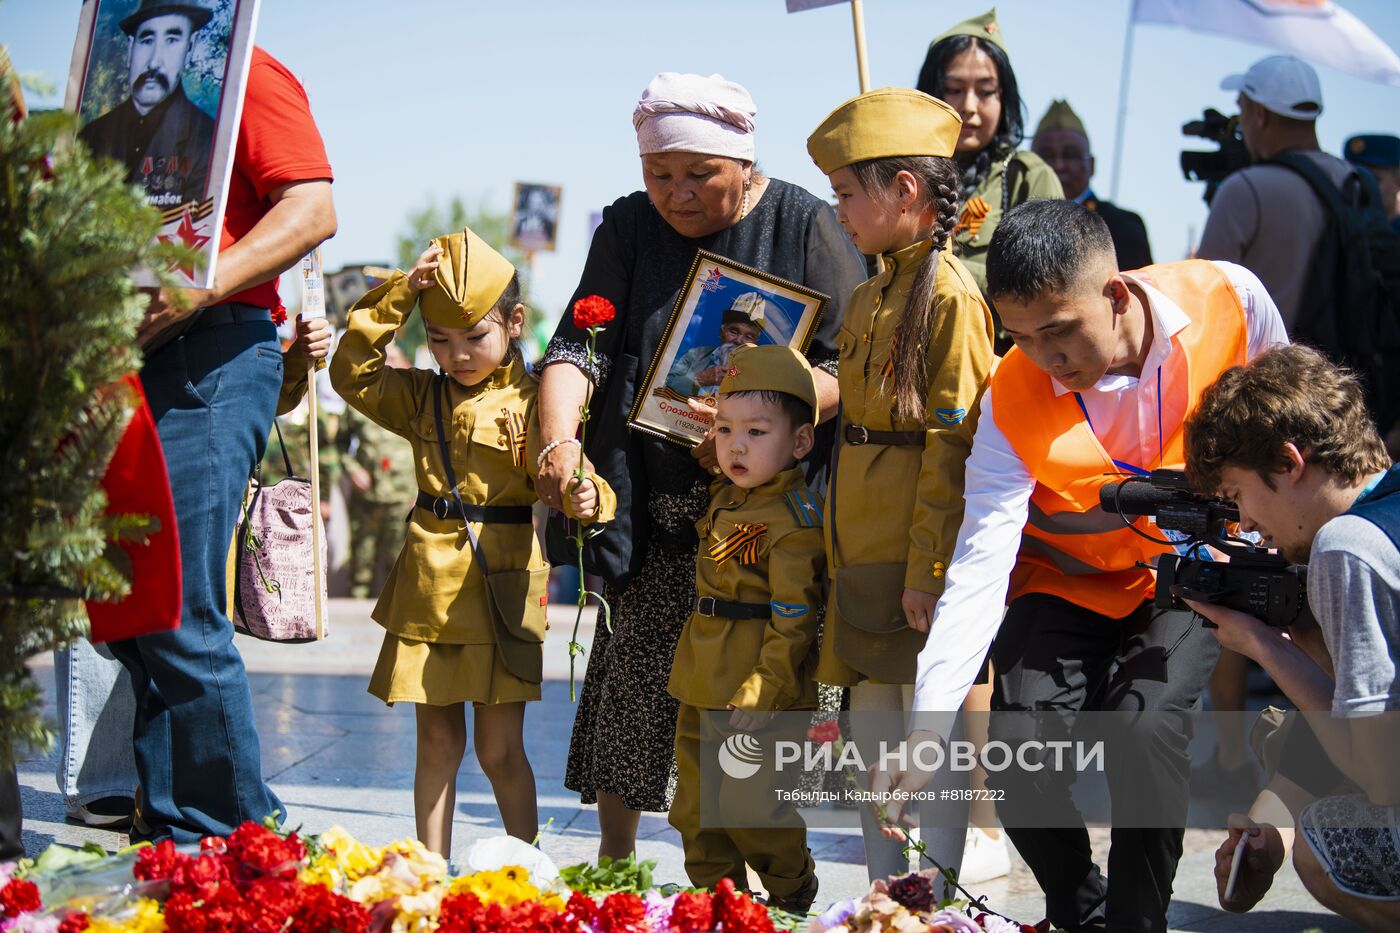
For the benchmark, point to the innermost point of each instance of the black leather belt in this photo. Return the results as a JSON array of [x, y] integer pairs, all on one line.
[[857, 435], [233, 312], [710, 607], [490, 514]]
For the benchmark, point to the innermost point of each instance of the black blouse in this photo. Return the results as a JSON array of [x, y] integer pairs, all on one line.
[[639, 263]]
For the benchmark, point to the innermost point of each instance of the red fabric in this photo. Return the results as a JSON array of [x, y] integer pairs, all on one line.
[[136, 482], [278, 143]]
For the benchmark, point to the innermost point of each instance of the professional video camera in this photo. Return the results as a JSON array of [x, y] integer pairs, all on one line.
[[1213, 167], [1256, 580]]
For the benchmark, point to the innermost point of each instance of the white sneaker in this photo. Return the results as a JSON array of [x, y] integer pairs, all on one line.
[[984, 858]]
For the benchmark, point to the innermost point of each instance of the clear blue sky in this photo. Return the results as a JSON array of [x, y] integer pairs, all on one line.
[[424, 100]]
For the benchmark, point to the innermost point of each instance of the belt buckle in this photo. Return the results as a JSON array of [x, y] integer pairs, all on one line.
[[705, 605], [440, 507], [860, 432]]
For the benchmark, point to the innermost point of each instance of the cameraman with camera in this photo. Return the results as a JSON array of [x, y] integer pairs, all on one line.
[[1288, 440], [1107, 367], [1265, 216]]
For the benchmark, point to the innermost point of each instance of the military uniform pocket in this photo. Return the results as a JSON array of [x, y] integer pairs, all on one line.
[[519, 602]]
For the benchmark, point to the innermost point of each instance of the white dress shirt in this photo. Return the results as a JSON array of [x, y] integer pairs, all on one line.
[[1125, 416]]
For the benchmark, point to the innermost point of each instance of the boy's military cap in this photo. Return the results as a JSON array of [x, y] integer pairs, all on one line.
[[771, 368], [471, 277], [880, 124]]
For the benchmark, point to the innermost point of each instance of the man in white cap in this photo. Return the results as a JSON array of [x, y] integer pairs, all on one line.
[[1266, 216]]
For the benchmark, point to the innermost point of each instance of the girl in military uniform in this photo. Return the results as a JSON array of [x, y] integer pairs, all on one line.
[[915, 352], [968, 68], [464, 606]]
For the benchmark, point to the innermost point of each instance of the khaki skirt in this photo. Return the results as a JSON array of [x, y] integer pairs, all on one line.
[[434, 674]]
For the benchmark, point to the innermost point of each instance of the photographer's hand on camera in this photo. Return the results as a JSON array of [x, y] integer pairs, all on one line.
[[1235, 630]]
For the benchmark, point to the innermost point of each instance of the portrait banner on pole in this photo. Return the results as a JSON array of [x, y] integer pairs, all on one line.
[[158, 86]]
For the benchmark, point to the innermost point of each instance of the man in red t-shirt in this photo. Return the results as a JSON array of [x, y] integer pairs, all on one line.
[[213, 390]]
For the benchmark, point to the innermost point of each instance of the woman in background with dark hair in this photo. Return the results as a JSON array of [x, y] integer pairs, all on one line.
[[967, 66]]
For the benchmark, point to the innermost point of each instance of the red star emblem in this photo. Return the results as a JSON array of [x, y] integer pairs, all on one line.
[[188, 236], [733, 371]]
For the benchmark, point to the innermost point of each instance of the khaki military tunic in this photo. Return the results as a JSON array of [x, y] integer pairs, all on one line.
[[435, 604], [760, 545], [1031, 179], [894, 511]]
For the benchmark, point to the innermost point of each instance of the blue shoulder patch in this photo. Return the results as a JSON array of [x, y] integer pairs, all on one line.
[[950, 416], [789, 610]]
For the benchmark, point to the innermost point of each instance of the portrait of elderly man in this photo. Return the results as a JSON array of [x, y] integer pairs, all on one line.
[[698, 372], [164, 139]]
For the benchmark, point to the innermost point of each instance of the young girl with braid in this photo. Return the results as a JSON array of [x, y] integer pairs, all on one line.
[[915, 353]]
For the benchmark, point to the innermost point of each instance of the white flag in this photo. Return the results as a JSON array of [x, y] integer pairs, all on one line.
[[797, 6], [1318, 30]]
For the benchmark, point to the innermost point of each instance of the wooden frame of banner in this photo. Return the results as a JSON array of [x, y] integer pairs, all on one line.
[[858, 24]]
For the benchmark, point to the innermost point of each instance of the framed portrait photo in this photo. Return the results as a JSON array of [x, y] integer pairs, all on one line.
[[722, 306], [158, 86], [534, 219]]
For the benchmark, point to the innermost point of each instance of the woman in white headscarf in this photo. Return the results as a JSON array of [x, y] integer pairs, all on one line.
[[695, 135]]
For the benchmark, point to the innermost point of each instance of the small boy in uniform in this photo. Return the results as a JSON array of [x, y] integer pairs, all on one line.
[[750, 645]]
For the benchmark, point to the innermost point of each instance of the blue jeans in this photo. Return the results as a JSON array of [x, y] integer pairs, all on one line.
[[95, 709], [213, 393]]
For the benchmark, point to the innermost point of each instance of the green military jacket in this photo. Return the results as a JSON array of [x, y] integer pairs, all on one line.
[[760, 545], [386, 456], [1031, 178]]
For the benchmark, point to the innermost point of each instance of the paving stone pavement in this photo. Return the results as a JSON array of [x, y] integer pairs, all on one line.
[[336, 755]]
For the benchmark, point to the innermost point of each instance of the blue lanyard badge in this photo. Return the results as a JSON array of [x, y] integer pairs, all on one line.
[[1120, 464]]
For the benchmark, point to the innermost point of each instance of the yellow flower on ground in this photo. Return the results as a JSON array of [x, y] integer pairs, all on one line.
[[143, 916], [506, 886], [354, 857]]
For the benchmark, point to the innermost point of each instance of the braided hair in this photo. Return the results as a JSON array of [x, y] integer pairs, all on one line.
[[975, 167], [938, 187]]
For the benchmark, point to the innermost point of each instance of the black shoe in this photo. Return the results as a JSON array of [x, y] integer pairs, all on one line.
[[112, 813], [798, 902], [1214, 781]]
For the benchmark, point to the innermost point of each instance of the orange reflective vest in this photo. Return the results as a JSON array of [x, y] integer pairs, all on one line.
[[1071, 547]]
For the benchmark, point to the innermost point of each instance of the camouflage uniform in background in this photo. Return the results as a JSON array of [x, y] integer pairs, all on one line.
[[376, 515], [298, 439]]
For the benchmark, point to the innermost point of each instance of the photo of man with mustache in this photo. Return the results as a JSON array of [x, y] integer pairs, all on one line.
[[164, 139]]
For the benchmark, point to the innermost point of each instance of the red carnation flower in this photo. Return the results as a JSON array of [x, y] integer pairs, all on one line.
[[158, 862], [260, 851], [825, 732], [739, 913], [459, 913], [75, 923], [693, 913], [200, 877], [582, 907], [279, 315], [622, 912], [593, 311], [322, 909], [19, 897], [224, 912]]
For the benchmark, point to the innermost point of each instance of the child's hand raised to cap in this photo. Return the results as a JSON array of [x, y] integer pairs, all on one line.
[[422, 275]]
